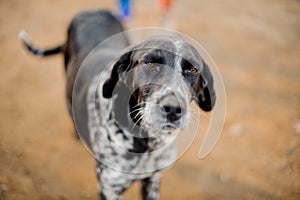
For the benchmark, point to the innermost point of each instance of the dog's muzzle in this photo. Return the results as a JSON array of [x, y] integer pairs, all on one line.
[[166, 112], [170, 109]]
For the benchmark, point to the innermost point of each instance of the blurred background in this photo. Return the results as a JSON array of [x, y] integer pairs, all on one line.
[[255, 45]]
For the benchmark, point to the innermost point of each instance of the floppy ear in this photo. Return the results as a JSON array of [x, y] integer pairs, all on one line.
[[205, 91], [121, 65]]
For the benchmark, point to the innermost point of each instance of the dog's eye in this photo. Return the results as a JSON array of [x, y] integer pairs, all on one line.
[[149, 64], [192, 70]]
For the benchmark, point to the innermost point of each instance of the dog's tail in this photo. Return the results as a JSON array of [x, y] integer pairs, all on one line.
[[39, 52]]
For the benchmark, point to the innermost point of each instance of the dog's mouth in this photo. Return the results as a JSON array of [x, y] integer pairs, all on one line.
[[162, 126], [170, 126]]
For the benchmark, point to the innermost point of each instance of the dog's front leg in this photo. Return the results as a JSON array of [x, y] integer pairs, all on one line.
[[109, 195], [113, 183], [150, 187]]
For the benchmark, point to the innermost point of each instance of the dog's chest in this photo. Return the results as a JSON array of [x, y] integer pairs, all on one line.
[[113, 147]]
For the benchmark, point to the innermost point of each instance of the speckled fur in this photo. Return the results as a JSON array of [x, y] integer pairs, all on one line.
[[117, 167]]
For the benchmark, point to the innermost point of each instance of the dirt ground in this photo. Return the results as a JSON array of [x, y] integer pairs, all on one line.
[[254, 43]]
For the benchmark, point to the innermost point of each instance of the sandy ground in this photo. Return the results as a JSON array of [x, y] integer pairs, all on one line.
[[256, 47]]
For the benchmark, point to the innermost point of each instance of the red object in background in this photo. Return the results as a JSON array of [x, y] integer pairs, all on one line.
[[166, 4]]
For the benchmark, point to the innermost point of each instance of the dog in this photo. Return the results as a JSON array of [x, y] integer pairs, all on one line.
[[128, 101]]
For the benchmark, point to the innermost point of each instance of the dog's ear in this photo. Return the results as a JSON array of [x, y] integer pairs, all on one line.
[[204, 88], [122, 64]]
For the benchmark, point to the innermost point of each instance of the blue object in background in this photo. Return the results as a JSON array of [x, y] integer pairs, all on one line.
[[125, 9]]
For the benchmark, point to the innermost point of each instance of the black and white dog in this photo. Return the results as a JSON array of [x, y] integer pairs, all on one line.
[[127, 111]]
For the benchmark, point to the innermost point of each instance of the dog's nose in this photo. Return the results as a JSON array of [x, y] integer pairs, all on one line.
[[170, 108], [173, 113]]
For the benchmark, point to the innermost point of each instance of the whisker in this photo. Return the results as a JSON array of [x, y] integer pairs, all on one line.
[[141, 111], [138, 109], [135, 124], [138, 105]]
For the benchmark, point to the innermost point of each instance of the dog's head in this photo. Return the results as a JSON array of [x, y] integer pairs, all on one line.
[[163, 75]]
